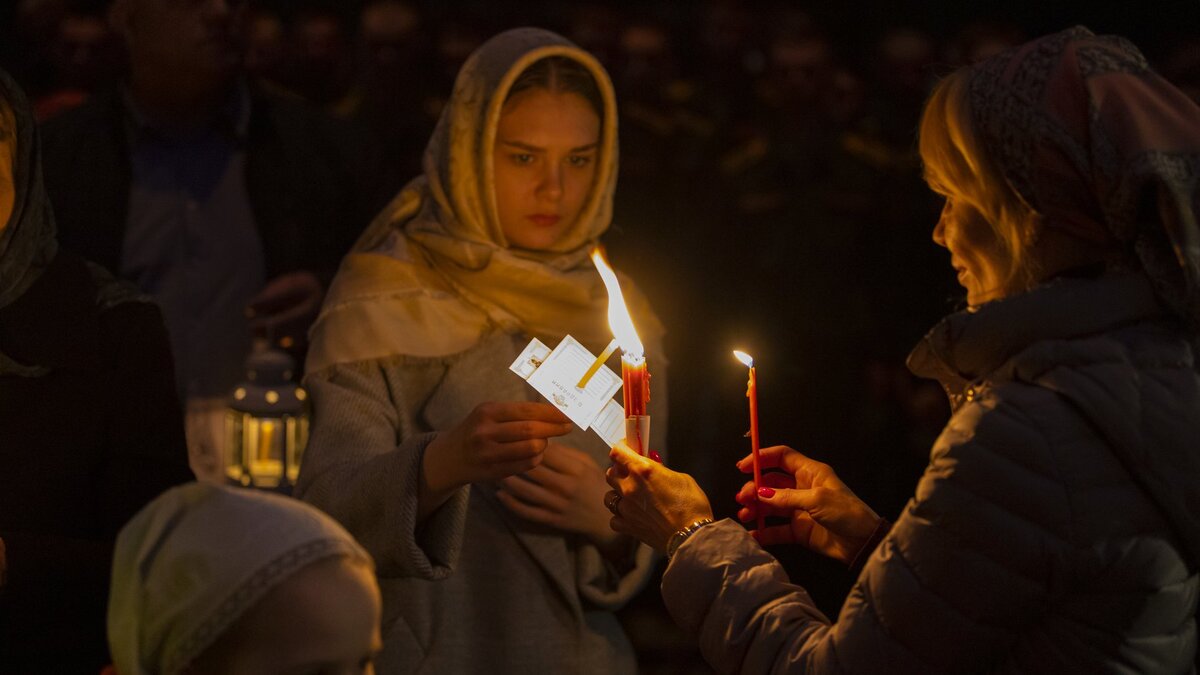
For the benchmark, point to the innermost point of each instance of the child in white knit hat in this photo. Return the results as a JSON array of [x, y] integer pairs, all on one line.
[[209, 579]]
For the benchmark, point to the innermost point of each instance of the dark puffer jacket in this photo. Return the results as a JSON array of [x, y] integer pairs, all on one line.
[[1055, 529]]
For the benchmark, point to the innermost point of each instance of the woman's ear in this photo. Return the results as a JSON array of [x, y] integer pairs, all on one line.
[[1035, 224]]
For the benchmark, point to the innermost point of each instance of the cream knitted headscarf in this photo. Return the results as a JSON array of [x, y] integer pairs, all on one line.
[[195, 559]]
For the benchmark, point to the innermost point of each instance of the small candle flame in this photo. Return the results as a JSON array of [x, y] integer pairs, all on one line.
[[745, 358], [618, 314]]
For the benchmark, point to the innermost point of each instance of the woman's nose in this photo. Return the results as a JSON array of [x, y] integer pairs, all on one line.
[[939, 230], [551, 182]]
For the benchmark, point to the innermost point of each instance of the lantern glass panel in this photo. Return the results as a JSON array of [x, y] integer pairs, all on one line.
[[235, 457], [297, 434], [265, 440], [257, 447]]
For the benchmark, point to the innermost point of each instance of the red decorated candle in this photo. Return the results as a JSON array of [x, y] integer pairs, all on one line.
[[636, 388]]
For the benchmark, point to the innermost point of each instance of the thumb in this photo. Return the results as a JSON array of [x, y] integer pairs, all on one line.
[[624, 456]]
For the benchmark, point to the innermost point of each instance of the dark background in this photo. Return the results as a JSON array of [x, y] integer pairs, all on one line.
[[770, 200]]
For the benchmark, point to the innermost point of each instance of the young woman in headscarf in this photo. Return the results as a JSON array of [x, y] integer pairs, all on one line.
[[492, 543], [1057, 526], [215, 580], [90, 428]]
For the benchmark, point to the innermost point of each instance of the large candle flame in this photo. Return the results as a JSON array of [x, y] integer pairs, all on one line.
[[744, 358], [618, 314]]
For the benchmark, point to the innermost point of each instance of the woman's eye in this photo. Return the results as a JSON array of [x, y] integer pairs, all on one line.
[[522, 158], [579, 160]]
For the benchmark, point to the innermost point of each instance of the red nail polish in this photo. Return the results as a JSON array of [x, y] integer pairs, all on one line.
[[655, 456], [766, 493]]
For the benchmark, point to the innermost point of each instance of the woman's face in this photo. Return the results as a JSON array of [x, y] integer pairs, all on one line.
[[976, 253], [544, 163], [323, 620]]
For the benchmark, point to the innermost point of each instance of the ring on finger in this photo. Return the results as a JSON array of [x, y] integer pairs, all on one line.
[[612, 501]]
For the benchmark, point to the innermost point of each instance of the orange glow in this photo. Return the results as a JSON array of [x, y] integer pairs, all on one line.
[[618, 314]]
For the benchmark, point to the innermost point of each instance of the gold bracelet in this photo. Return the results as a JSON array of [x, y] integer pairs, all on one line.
[[681, 536]]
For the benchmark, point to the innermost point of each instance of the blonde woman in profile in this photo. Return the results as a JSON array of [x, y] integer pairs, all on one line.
[[1057, 526], [482, 507]]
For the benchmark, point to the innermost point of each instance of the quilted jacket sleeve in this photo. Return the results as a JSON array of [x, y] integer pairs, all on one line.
[[967, 565]]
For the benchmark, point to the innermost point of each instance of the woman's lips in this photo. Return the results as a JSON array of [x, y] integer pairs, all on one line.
[[544, 220]]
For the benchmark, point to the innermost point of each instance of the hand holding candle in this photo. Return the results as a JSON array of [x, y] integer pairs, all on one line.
[[752, 394]]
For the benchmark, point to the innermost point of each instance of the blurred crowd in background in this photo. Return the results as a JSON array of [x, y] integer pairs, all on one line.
[[770, 197]]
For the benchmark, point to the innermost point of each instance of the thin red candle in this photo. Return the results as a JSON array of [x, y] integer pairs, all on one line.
[[752, 394]]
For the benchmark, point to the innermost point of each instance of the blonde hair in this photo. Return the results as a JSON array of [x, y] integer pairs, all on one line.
[[8, 162], [958, 166]]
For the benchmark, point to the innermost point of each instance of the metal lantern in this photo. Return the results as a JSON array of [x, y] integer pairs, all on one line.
[[266, 426]]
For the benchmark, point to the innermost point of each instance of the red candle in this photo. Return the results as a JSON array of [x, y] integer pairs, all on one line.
[[634, 376], [752, 394], [636, 386], [636, 391]]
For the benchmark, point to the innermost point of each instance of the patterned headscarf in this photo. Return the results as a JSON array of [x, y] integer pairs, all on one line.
[[27, 245], [195, 559], [1099, 145]]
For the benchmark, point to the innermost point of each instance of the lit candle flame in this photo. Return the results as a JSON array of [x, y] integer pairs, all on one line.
[[745, 358], [618, 314]]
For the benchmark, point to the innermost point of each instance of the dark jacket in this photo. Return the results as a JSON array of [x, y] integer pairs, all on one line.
[[314, 182], [1054, 530], [82, 448]]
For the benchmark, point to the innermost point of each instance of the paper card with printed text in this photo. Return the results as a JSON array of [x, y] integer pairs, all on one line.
[[531, 357], [555, 375], [610, 423]]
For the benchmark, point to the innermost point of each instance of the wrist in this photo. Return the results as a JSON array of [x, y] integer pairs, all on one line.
[[438, 468], [868, 546], [684, 534], [437, 481]]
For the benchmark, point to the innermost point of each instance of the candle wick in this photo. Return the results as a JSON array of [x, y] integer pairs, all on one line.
[[595, 367]]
